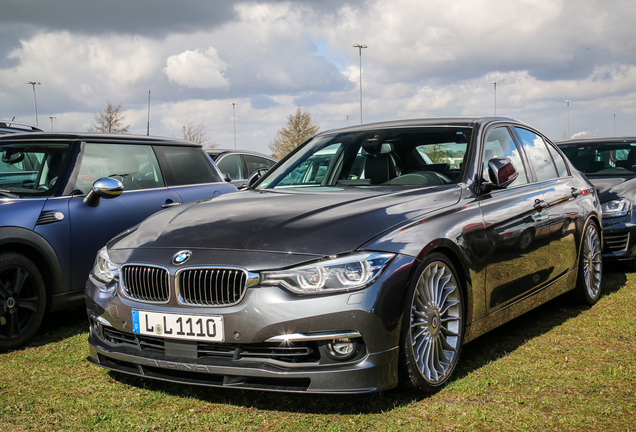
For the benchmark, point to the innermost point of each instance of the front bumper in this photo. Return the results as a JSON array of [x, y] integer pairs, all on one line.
[[274, 340], [619, 241]]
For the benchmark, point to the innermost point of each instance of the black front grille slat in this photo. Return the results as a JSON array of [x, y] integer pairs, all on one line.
[[616, 242], [211, 286], [196, 286], [145, 283]]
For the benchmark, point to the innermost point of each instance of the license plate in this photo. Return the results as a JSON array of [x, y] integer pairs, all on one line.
[[177, 326]]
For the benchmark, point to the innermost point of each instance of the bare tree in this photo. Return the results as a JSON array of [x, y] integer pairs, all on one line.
[[197, 133], [111, 120], [300, 127]]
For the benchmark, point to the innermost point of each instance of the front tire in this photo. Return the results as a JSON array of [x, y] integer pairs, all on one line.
[[588, 283], [22, 300], [432, 326]]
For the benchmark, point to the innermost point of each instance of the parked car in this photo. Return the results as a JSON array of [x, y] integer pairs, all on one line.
[[10, 126], [240, 164], [610, 164], [55, 191], [369, 256]]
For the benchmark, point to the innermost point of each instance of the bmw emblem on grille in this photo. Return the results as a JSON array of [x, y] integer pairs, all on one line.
[[181, 257]]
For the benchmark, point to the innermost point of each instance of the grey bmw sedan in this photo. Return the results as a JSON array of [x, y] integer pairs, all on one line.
[[366, 258]]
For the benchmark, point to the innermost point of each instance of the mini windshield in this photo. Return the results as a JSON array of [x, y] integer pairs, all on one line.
[[31, 169], [390, 157], [603, 159]]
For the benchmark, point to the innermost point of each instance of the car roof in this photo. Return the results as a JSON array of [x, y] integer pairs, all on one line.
[[10, 126], [466, 121], [597, 140], [218, 152], [98, 138]]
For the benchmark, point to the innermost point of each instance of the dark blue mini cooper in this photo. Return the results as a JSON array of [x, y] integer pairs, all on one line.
[[55, 211]]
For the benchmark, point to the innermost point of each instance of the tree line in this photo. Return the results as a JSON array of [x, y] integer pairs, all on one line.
[[299, 128]]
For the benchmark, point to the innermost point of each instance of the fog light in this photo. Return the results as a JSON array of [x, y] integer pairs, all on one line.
[[342, 349]]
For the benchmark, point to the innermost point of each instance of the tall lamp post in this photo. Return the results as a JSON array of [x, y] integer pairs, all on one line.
[[360, 47], [567, 101], [234, 104], [494, 83], [35, 103], [614, 123], [51, 117]]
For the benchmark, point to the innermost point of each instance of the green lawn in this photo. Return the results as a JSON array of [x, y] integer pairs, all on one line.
[[560, 367]]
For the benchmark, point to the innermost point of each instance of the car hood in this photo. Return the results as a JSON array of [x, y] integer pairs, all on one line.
[[314, 223], [613, 187]]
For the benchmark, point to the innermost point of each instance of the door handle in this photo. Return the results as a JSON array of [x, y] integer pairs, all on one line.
[[170, 204]]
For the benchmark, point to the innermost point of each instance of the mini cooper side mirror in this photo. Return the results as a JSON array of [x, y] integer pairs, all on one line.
[[106, 188]]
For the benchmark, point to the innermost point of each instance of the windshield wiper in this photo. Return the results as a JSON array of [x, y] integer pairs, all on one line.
[[8, 194]]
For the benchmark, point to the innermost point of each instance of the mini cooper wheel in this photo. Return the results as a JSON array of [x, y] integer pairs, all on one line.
[[432, 326], [22, 300], [588, 284]]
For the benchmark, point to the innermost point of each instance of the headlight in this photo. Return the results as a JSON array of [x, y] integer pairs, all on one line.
[[616, 208], [104, 269], [340, 274]]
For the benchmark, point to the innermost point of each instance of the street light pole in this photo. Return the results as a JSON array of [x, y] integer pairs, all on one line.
[[234, 121], [360, 47], [494, 83], [614, 123], [51, 117], [148, 127], [35, 103], [567, 101]]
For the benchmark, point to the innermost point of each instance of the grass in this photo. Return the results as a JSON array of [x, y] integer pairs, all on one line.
[[561, 367]]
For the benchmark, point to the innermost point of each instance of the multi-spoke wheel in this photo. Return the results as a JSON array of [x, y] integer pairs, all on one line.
[[433, 325], [588, 284], [22, 300]]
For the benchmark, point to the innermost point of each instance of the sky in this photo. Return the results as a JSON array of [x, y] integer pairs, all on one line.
[[240, 68]]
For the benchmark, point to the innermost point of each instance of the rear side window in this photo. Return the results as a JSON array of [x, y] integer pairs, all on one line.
[[186, 165], [538, 154]]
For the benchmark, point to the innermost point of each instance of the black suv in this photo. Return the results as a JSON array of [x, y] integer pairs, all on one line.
[[55, 191]]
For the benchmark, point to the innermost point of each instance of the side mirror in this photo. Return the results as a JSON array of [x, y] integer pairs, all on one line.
[[501, 173], [106, 188], [255, 177]]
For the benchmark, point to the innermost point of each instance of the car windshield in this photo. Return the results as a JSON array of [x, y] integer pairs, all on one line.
[[603, 159], [390, 157], [30, 168]]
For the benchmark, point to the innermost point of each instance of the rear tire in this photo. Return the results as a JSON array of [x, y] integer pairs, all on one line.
[[22, 300], [588, 283], [432, 326]]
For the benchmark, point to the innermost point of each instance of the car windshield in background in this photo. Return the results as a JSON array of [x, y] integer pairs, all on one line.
[[404, 157], [31, 169], [603, 159]]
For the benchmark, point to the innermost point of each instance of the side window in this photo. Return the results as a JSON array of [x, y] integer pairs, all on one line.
[[232, 165], [561, 166], [538, 154], [254, 163], [499, 143], [134, 165], [186, 165]]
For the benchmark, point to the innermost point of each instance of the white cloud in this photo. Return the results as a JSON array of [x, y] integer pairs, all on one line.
[[196, 69]]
